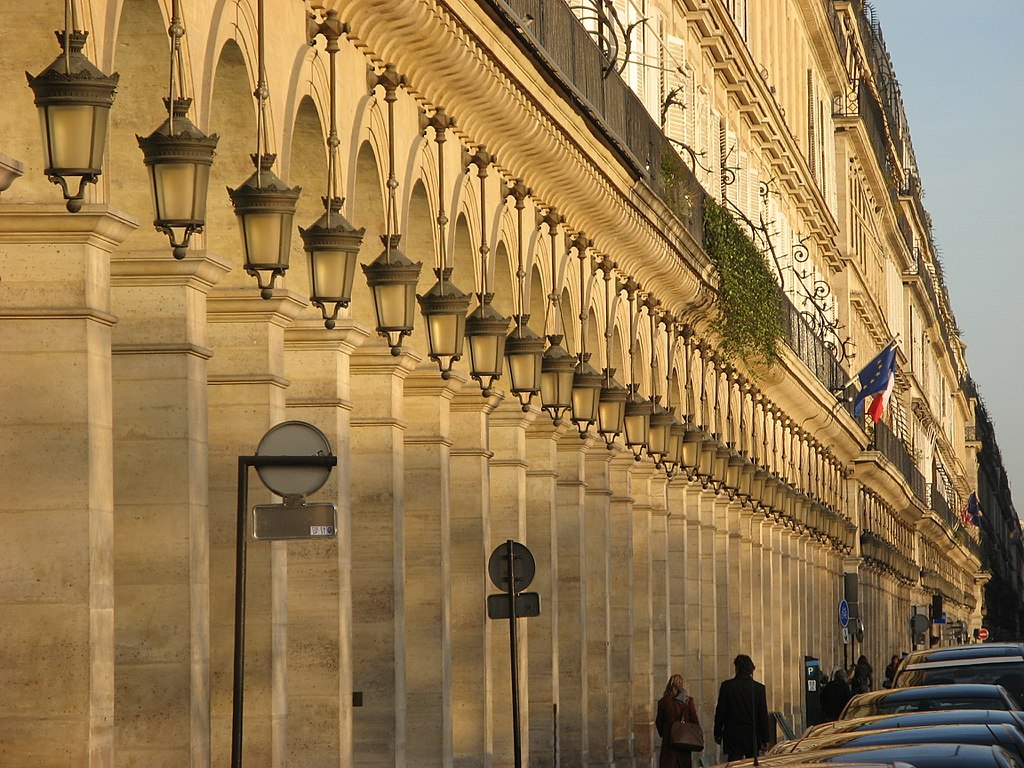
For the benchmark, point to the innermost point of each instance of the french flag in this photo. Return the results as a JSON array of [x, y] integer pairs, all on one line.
[[876, 382]]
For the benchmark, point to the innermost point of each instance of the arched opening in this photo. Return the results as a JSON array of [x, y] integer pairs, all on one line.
[[367, 211], [307, 169]]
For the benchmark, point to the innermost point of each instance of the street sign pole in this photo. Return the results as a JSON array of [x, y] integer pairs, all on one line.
[[513, 652], [244, 462]]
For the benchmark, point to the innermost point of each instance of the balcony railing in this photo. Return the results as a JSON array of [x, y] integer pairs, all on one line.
[[561, 46], [806, 342], [860, 102], [892, 447]]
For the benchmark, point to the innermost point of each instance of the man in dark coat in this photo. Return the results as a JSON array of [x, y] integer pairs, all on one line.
[[741, 717]]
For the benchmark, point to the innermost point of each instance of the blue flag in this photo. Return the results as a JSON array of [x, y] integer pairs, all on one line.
[[876, 381]]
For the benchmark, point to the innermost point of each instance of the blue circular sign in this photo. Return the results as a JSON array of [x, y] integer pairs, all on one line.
[[844, 613]]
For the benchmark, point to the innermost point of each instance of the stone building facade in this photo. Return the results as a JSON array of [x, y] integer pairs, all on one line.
[[133, 382]]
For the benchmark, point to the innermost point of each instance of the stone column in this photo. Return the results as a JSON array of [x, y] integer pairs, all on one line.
[[319, 572], [572, 614], [544, 660], [470, 545], [660, 607], [682, 659], [379, 634], [725, 598], [57, 484], [162, 622], [428, 583], [621, 604], [246, 393], [597, 593], [644, 692], [508, 465]]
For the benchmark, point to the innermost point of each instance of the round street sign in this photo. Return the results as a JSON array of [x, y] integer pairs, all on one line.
[[983, 634], [844, 613], [294, 438], [498, 566]]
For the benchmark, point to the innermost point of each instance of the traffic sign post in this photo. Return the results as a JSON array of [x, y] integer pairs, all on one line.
[[983, 634], [294, 459], [512, 568], [844, 613]]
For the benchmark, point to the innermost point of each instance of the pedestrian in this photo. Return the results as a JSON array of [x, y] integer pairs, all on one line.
[[890, 671], [863, 680], [675, 704], [834, 696], [741, 716]]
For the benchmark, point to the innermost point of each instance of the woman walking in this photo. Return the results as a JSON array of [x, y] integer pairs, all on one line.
[[675, 704]]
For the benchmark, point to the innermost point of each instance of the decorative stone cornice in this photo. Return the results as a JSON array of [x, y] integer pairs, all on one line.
[[50, 224]]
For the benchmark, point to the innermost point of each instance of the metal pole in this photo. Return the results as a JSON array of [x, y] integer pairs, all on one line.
[[239, 673], [513, 653]]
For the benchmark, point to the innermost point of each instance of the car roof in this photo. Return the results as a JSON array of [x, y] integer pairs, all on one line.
[[975, 654], [946, 690], [918, 719], [959, 733], [919, 755]]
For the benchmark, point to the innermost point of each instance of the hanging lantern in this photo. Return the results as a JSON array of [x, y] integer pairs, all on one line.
[[332, 246], [676, 443], [485, 332], [74, 99], [265, 207], [392, 280], [659, 429], [557, 370], [586, 394], [178, 156], [611, 412], [524, 351], [637, 421], [444, 310]]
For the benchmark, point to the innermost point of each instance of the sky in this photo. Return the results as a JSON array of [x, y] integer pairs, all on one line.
[[961, 72]]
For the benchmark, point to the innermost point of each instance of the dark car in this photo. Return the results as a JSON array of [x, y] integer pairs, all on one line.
[[917, 719], [993, 663], [1000, 734], [928, 697], [917, 755]]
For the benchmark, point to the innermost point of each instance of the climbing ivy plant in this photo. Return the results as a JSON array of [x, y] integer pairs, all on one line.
[[749, 310]]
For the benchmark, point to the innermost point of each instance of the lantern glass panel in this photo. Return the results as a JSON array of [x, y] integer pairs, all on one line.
[[585, 403], [637, 427], [394, 305], [556, 388], [486, 352], [263, 235], [180, 191], [610, 416], [74, 135], [332, 273], [524, 371], [446, 331], [657, 437]]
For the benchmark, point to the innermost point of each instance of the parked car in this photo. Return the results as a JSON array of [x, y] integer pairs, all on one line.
[[1006, 736], [917, 755], [916, 719], [928, 697], [994, 663]]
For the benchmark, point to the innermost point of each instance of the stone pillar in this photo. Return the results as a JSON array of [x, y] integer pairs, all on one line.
[[57, 484], [645, 694], [426, 533], [379, 636], [597, 593], [470, 545], [508, 467], [319, 572], [544, 660], [660, 606], [162, 622], [572, 615], [621, 605], [725, 599], [682, 659], [246, 392]]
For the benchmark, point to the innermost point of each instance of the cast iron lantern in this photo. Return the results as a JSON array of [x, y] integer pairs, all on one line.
[[611, 412], [659, 430], [557, 370], [444, 309], [178, 156], [637, 421], [485, 331], [524, 351], [74, 99], [392, 279], [586, 394], [676, 443], [265, 207], [332, 246]]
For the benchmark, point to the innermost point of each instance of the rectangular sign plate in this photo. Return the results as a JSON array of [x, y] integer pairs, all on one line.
[[527, 606], [275, 522]]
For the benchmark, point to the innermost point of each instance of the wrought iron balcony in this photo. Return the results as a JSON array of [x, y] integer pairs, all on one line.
[[892, 447], [560, 45], [808, 344]]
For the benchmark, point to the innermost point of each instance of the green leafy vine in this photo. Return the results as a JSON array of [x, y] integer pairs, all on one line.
[[749, 311]]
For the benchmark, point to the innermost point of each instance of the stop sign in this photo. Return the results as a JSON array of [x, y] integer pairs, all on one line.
[[983, 634]]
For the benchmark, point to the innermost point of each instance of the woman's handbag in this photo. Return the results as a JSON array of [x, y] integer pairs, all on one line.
[[687, 737]]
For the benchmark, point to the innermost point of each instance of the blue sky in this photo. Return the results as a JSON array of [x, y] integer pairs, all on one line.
[[961, 72]]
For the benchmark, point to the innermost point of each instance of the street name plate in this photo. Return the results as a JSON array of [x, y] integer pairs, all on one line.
[[274, 522], [527, 606]]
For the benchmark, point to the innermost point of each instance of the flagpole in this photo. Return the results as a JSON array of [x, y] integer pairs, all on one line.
[[894, 340]]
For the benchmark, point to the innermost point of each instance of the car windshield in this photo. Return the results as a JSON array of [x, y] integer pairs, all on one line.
[[924, 704], [1010, 676]]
